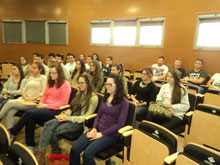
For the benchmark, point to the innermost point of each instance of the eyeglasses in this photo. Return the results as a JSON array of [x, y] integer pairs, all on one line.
[[109, 84], [81, 83], [53, 72]]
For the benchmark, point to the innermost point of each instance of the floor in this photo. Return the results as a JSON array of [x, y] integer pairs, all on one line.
[[66, 147]]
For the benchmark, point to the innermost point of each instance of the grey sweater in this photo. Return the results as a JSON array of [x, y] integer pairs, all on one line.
[[165, 95]]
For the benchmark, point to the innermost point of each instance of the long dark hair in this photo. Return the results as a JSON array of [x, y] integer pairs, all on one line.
[[82, 70], [21, 74], [88, 94], [96, 54], [26, 59], [95, 74], [119, 93], [61, 77], [176, 94]]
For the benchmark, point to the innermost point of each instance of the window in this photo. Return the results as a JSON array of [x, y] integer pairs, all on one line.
[[208, 32], [135, 32], [125, 33], [151, 32], [57, 32], [12, 31], [100, 32], [35, 31]]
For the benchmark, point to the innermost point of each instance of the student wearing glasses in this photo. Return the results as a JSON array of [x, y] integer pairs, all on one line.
[[82, 105], [111, 117], [56, 94], [143, 92]]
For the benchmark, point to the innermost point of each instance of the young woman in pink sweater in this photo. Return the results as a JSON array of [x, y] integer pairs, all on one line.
[[57, 94]]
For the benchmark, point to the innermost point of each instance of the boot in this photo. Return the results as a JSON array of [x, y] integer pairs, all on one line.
[[40, 156]]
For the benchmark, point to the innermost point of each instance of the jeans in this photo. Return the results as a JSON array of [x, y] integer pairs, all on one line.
[[90, 147], [52, 129], [30, 119], [141, 112]]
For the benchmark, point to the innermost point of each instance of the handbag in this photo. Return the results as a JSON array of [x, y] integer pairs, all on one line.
[[158, 110]]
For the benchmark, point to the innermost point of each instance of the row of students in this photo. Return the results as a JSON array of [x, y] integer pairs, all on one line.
[[56, 94]]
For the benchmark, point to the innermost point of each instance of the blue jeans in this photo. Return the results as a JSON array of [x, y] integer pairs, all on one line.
[[30, 119], [90, 147], [52, 129]]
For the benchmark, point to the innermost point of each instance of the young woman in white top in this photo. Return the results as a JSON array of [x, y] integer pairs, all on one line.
[[33, 89], [175, 97], [14, 86], [214, 82]]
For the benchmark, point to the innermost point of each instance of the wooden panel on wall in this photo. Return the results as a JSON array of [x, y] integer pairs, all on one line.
[[179, 30]]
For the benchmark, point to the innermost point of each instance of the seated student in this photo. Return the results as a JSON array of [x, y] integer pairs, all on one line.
[[56, 94], [196, 76], [174, 95], [95, 56], [106, 68], [25, 65], [60, 60], [159, 70], [33, 89], [82, 105], [214, 82], [70, 63], [14, 86], [51, 59], [89, 59], [83, 57], [178, 66], [118, 70], [40, 58], [143, 92], [111, 117], [97, 75], [79, 70]]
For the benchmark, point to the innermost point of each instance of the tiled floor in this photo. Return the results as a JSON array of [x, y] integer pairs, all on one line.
[[66, 147]]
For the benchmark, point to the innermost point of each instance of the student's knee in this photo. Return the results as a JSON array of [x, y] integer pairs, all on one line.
[[87, 155]]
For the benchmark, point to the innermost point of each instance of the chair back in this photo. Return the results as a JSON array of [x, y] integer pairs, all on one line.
[[151, 143], [137, 76], [204, 127], [160, 83], [195, 154], [20, 154], [4, 139], [212, 97], [192, 88]]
